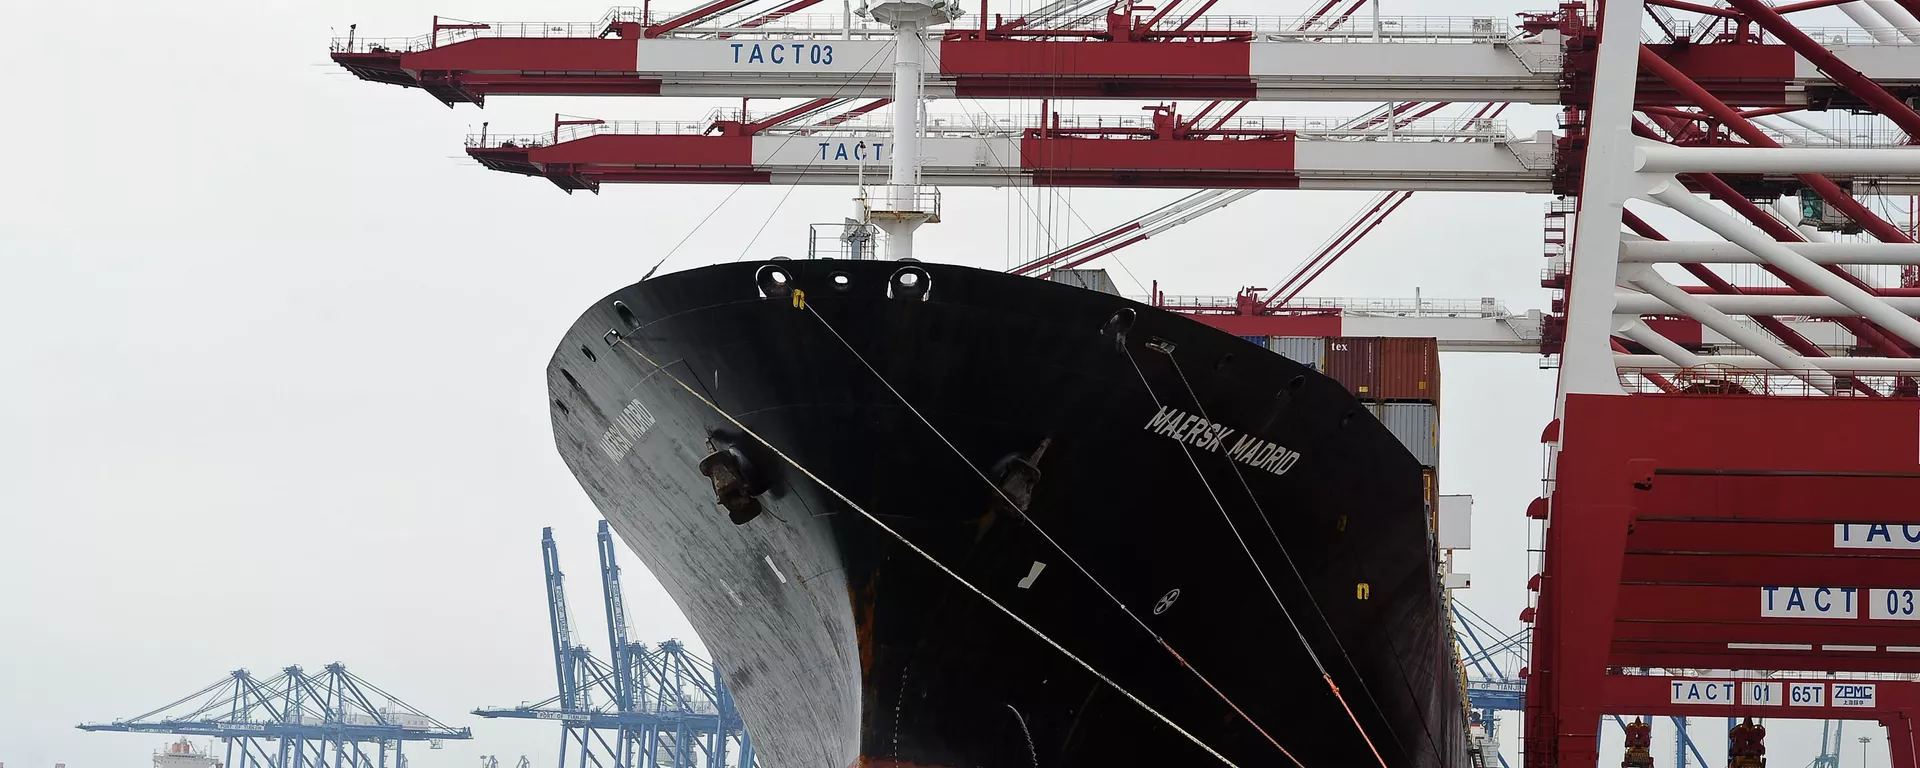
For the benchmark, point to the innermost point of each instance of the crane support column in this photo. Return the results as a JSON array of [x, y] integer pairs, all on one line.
[[904, 208]]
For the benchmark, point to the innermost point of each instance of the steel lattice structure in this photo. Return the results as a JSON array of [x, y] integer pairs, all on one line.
[[333, 719], [651, 707]]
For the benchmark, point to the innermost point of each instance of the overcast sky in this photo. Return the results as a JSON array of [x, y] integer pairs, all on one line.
[[274, 356]]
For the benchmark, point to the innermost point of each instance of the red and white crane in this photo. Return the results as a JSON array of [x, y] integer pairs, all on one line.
[[1670, 518]]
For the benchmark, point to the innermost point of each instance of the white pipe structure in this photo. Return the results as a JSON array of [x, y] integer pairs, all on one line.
[[1671, 194], [1751, 338], [1787, 210], [904, 211], [1898, 17], [1631, 303], [1655, 157], [1666, 348], [1586, 366], [1878, 365], [1712, 252], [1873, 23]]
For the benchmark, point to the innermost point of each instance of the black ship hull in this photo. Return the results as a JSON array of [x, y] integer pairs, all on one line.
[[1159, 444]]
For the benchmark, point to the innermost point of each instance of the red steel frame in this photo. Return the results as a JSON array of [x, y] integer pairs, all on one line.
[[1672, 515]]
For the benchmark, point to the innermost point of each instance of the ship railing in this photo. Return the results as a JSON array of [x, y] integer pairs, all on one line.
[[845, 240], [1714, 380]]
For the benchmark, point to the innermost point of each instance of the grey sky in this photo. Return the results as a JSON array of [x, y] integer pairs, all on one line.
[[273, 382]]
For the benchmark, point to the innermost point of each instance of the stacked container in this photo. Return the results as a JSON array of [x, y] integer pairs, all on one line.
[[1398, 380]]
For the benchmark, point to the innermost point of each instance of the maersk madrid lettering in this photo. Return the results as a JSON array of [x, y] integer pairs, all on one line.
[[796, 54], [1212, 436]]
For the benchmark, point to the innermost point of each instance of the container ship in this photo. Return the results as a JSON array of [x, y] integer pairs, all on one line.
[[932, 516]]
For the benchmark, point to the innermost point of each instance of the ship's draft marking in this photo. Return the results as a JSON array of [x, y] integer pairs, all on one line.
[[1197, 431], [776, 569], [1166, 601], [1027, 583]]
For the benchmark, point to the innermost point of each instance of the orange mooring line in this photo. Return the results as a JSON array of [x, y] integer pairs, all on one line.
[[1243, 714], [1356, 721]]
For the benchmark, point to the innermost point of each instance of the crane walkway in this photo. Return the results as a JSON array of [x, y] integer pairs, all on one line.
[[1424, 58]]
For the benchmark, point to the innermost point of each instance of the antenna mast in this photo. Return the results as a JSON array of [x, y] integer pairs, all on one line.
[[905, 206]]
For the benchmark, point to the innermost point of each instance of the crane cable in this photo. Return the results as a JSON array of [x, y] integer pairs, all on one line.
[[799, 302], [1297, 633]]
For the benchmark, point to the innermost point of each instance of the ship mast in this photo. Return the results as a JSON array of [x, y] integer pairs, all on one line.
[[905, 206]]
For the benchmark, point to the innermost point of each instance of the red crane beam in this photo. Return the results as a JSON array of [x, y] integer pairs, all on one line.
[[1904, 663], [780, 13], [697, 15], [1745, 570], [1765, 538], [1732, 605], [1869, 91], [1658, 696], [1625, 458], [1629, 635]]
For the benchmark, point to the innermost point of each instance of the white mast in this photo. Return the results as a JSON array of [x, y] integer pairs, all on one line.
[[905, 207]]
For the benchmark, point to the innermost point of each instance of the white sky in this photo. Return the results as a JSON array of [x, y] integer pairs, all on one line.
[[274, 360]]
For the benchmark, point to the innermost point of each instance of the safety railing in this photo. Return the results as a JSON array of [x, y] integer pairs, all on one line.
[[454, 31], [1729, 674], [949, 126], [845, 240], [1724, 381], [1358, 28], [1838, 136], [1399, 307]]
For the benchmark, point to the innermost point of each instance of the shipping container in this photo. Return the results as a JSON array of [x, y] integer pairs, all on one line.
[[1090, 279], [1386, 370], [1355, 362], [1260, 340], [1409, 370], [1417, 425], [1309, 351]]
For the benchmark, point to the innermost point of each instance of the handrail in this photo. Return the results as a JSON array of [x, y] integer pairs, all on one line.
[[982, 126], [1444, 29]]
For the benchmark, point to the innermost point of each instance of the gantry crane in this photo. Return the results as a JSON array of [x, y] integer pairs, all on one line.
[[334, 719], [659, 707]]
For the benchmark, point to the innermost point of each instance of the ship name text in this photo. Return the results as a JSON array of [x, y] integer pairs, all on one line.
[[1215, 437], [633, 423]]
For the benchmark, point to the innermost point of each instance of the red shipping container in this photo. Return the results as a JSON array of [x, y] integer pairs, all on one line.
[[1355, 362], [1409, 371], [1386, 370]]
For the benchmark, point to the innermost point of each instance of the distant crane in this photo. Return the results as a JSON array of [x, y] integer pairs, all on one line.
[[659, 707], [1493, 670], [295, 720], [1830, 742]]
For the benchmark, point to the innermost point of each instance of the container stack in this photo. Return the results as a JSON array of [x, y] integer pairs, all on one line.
[[1398, 380]]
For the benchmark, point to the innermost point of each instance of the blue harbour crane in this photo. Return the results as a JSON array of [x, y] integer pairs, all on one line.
[[334, 719], [650, 707]]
